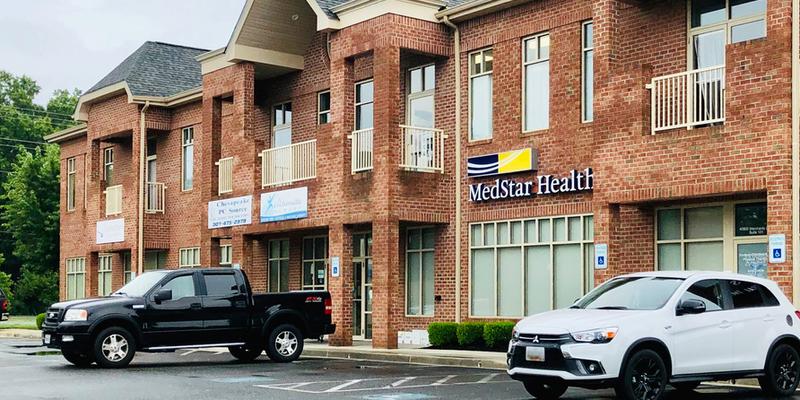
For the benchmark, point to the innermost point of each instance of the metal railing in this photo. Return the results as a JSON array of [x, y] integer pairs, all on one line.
[[225, 175], [113, 200], [154, 197], [287, 164], [361, 151], [688, 99], [423, 149]]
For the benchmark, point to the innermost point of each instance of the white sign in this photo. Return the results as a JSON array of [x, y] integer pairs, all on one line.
[[777, 248], [335, 267], [600, 256], [284, 204], [230, 212], [110, 231]]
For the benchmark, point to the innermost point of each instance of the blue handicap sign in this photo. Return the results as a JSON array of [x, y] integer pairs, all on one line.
[[601, 260], [776, 253]]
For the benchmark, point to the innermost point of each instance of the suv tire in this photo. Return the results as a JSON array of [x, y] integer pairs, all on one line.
[[114, 348], [644, 377], [545, 390], [782, 372], [245, 353], [77, 359], [285, 343]]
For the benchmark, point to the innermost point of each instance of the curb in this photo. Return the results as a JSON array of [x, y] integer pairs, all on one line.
[[20, 334], [445, 361]]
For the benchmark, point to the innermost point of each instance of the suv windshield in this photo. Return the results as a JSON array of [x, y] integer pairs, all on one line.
[[634, 293], [139, 286]]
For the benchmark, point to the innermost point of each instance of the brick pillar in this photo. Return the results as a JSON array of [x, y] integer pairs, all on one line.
[[606, 221], [92, 263], [209, 150], [117, 274], [242, 251], [385, 283], [340, 244]]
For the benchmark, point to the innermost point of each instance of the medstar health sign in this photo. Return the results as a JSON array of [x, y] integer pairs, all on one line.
[[516, 161]]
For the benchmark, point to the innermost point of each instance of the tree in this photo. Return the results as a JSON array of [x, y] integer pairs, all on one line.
[[61, 106]]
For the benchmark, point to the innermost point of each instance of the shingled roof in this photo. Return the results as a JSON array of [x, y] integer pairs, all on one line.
[[157, 69]]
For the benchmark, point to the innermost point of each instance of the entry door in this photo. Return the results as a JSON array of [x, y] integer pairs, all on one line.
[[362, 286]]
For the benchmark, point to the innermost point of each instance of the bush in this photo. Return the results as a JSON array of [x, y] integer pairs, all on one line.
[[497, 334], [442, 334], [470, 334], [39, 321]]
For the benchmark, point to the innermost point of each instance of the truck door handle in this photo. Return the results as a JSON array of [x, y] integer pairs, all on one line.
[[725, 325], [195, 306]]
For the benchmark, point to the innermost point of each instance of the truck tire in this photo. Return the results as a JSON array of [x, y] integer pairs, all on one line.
[[244, 353], [77, 359], [114, 348], [285, 343]]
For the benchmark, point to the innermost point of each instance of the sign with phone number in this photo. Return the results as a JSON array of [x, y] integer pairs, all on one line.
[[230, 212]]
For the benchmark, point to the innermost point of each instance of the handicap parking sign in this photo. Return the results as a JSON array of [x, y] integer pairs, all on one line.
[[600, 256], [601, 260], [777, 248], [776, 253]]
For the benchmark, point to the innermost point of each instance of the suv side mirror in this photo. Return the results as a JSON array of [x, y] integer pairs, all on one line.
[[163, 295], [691, 306]]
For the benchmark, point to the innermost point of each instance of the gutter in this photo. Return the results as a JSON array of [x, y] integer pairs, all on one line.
[[795, 151], [140, 194], [457, 57]]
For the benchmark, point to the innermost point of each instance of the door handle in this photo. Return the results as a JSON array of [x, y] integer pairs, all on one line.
[[195, 306], [725, 325], [768, 318]]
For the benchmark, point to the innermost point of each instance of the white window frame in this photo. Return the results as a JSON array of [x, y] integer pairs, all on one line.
[[189, 257], [71, 178], [421, 250], [108, 165], [421, 94], [357, 104], [586, 48], [76, 270], [314, 260], [725, 25], [271, 257], [284, 125], [320, 111], [525, 64], [187, 140], [105, 264], [472, 76], [128, 272], [225, 254]]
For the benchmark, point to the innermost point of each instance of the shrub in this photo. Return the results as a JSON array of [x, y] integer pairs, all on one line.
[[442, 334], [39, 321], [470, 334], [497, 334]]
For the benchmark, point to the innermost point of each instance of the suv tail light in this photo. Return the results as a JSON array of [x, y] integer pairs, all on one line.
[[797, 313], [4, 306], [329, 306]]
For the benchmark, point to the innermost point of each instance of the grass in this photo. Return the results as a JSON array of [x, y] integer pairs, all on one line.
[[19, 322]]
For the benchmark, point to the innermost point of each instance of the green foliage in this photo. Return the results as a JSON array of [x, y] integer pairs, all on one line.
[[61, 106], [39, 321], [497, 334], [470, 334], [5, 286], [442, 334], [35, 291]]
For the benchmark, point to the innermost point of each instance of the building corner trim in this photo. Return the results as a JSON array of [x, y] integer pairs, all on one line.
[[140, 193]]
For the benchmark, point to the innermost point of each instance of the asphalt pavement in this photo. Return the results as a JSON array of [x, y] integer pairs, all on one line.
[[28, 371]]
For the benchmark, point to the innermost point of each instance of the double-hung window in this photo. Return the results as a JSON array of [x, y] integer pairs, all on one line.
[[71, 174], [104, 274], [282, 125], [127, 267], [422, 88], [323, 107], [420, 271], [315, 257], [108, 166], [189, 257], [587, 72], [278, 280], [536, 66], [364, 104], [187, 159], [76, 278], [481, 64], [225, 254]]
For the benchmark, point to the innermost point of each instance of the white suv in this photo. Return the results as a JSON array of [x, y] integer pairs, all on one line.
[[637, 333]]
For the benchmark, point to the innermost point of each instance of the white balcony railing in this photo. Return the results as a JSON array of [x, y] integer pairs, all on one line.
[[225, 175], [154, 197], [423, 149], [688, 99], [113, 200], [361, 151], [287, 164]]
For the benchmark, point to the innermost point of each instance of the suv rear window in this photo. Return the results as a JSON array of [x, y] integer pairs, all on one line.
[[221, 284], [750, 295]]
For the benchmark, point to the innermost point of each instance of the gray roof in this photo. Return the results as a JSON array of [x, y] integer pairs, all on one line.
[[157, 69], [327, 5]]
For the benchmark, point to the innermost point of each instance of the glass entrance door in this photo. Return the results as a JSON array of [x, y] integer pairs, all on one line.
[[362, 286]]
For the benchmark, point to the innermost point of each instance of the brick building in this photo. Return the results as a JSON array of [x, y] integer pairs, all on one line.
[[430, 160]]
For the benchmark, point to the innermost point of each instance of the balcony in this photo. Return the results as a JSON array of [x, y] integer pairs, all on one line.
[[361, 152], [225, 175], [289, 164], [113, 200], [154, 197], [423, 149], [688, 99]]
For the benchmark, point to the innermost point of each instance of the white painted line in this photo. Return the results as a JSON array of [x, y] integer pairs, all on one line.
[[342, 386], [401, 381], [487, 378], [292, 387], [189, 352], [443, 380]]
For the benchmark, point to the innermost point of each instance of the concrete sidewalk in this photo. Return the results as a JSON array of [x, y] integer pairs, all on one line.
[[20, 333], [450, 358]]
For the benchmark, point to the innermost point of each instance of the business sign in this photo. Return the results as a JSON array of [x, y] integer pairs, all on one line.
[[500, 189], [230, 212], [110, 231], [335, 269], [600, 256], [777, 248], [508, 162], [284, 205]]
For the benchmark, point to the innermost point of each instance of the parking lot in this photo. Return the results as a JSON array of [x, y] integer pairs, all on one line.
[[28, 371]]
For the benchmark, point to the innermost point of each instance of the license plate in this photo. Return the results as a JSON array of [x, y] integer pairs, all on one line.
[[534, 354], [46, 339]]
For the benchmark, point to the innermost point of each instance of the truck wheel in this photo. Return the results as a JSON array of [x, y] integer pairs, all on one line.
[[782, 372], [244, 353], [545, 390], [114, 348], [77, 359], [643, 378], [285, 343]]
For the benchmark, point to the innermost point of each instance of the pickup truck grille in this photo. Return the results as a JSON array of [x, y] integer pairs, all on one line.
[[52, 316]]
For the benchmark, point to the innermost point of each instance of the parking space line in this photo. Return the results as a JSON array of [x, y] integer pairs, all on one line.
[[402, 381], [342, 386], [487, 378], [387, 383], [443, 380]]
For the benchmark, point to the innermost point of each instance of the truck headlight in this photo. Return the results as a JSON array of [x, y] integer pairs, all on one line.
[[515, 334], [76, 315], [604, 335]]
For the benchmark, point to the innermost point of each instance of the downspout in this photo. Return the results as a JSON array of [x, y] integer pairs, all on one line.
[[457, 59], [140, 194], [795, 150]]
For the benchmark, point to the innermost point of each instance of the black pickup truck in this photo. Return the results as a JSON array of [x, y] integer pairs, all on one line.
[[5, 306], [174, 309]]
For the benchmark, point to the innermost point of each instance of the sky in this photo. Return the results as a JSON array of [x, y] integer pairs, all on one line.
[[67, 44]]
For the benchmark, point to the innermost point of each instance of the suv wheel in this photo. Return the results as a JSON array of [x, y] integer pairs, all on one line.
[[285, 343], [77, 359], [245, 353], [114, 348], [782, 373], [549, 390], [644, 377]]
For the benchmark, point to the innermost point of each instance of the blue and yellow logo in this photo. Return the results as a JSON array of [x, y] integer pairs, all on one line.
[[500, 163]]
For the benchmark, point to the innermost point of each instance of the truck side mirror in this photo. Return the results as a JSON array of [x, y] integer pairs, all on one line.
[[163, 295], [691, 306]]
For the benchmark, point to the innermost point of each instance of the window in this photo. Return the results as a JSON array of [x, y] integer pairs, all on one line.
[[71, 173], [155, 259], [715, 23], [536, 66], [324, 107], [421, 91], [750, 295], [278, 280], [181, 286], [315, 258], [104, 274], [282, 125], [127, 268], [225, 254], [480, 94], [708, 291], [420, 245], [108, 166], [152, 157], [637, 293], [187, 159], [587, 72], [76, 278], [524, 267], [221, 284], [364, 105], [189, 257]]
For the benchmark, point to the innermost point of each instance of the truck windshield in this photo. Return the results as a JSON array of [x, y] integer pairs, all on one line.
[[634, 293], [139, 286]]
